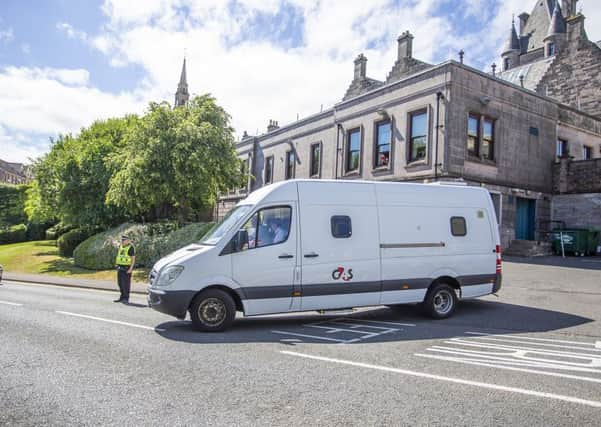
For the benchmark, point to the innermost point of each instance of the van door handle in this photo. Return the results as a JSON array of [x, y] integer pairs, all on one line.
[[286, 256], [311, 255]]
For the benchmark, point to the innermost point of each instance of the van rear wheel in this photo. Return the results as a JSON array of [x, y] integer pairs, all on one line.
[[213, 311], [441, 301]]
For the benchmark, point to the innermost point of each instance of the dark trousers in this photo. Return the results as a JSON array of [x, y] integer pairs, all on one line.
[[124, 281]]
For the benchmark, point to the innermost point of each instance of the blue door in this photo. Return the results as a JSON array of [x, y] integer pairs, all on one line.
[[525, 219]]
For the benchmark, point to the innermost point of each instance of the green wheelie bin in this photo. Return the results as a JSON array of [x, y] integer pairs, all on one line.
[[575, 241]]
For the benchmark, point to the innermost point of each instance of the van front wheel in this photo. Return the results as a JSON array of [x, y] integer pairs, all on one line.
[[212, 311], [441, 301]]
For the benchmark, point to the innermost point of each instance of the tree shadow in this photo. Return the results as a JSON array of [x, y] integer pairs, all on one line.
[[586, 263], [471, 316]]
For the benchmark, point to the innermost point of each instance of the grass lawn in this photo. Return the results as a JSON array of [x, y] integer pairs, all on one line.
[[42, 257]]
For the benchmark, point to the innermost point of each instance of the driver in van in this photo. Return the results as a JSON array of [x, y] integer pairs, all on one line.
[[280, 231]]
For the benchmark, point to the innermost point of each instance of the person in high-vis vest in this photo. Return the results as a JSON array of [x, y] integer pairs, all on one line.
[[126, 259]]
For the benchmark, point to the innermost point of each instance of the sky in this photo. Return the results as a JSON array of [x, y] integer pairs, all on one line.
[[66, 63]]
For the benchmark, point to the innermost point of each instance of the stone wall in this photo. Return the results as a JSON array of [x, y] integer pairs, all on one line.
[[570, 177], [578, 210], [525, 132], [574, 77]]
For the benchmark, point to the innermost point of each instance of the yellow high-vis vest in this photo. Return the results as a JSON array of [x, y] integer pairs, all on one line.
[[123, 257]]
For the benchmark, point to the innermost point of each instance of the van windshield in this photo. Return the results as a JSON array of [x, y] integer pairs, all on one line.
[[222, 227]]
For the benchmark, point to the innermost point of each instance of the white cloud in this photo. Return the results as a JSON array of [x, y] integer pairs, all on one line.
[[20, 148], [46, 102], [71, 32], [25, 48]]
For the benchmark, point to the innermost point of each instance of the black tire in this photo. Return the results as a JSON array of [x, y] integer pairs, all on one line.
[[212, 310], [441, 301]]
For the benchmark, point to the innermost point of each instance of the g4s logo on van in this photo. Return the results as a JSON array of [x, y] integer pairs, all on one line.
[[340, 273]]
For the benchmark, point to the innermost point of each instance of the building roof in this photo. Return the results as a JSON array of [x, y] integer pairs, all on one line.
[[532, 72], [558, 24], [513, 42], [537, 25], [16, 169]]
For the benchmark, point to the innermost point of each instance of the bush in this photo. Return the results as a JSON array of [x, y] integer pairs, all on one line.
[[99, 251], [37, 230], [14, 234], [71, 239], [57, 230]]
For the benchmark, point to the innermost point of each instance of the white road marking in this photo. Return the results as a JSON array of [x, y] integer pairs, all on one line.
[[309, 336], [482, 344], [512, 340], [118, 322], [571, 399], [11, 303], [598, 344], [377, 321], [510, 368], [349, 326], [532, 339], [512, 359]]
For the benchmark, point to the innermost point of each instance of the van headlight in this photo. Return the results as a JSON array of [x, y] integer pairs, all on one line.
[[168, 275]]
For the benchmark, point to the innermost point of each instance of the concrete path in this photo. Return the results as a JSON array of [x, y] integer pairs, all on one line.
[[106, 285]]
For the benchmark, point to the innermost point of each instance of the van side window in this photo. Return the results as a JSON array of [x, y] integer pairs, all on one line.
[[269, 226], [458, 226], [341, 226]]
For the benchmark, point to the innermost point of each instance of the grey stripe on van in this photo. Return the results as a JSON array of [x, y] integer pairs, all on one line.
[[397, 285], [477, 279], [338, 288]]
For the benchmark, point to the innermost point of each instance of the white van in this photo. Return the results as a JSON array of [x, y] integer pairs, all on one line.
[[303, 245]]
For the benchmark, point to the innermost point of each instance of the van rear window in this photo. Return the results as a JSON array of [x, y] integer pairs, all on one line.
[[341, 226], [458, 226]]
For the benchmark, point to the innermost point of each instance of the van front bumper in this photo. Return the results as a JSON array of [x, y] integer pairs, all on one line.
[[173, 303]]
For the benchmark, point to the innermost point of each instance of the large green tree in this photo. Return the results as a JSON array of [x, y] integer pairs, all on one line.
[[71, 181], [176, 161]]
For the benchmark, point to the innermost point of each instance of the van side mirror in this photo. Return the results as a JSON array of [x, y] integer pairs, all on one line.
[[240, 240]]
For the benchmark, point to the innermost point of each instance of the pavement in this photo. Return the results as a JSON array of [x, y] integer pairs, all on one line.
[[106, 285], [530, 357]]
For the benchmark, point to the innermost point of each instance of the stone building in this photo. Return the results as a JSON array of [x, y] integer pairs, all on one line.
[[442, 122], [553, 56], [14, 173]]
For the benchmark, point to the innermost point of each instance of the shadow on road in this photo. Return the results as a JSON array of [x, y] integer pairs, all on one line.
[[586, 263], [471, 316]]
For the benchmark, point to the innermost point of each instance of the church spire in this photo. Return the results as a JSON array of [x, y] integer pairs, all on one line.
[[182, 95]]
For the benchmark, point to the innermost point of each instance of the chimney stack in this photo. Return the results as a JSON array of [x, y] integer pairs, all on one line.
[[523, 20], [360, 67], [273, 125], [569, 8], [575, 29], [405, 41]]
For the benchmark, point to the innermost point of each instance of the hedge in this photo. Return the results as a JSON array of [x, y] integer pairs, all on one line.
[[57, 230], [12, 204], [99, 251], [71, 239], [14, 234]]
